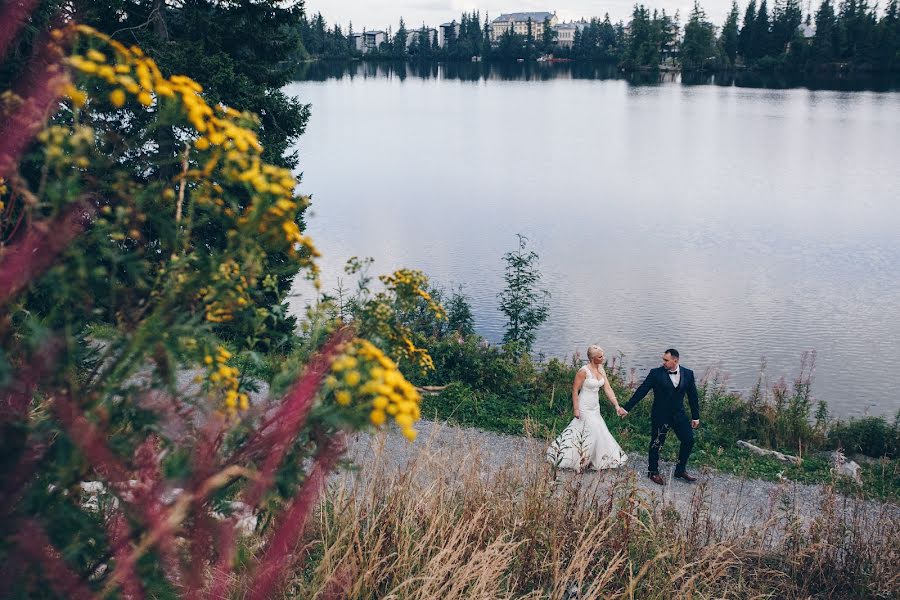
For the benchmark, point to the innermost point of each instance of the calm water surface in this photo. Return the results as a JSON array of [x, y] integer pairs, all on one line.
[[733, 223]]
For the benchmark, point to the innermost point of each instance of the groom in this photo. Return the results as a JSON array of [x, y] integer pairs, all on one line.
[[669, 383]]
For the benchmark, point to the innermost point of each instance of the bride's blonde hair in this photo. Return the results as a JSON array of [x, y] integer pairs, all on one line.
[[593, 350]]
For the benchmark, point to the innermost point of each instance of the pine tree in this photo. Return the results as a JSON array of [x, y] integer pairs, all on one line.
[[529, 41], [548, 37], [522, 300], [746, 35], [698, 49], [823, 45], [786, 19], [668, 43], [888, 55], [729, 37], [400, 40], [760, 42]]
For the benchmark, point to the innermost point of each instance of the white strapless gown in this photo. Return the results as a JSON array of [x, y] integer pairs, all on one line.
[[587, 442]]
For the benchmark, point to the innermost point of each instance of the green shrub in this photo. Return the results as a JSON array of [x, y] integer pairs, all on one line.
[[872, 436]]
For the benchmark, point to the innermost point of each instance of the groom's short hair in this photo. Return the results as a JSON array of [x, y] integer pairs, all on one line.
[[672, 352]]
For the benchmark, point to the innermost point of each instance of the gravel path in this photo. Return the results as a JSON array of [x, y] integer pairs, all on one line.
[[733, 501]]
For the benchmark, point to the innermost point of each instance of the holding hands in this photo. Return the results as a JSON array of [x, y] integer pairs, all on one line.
[[621, 411]]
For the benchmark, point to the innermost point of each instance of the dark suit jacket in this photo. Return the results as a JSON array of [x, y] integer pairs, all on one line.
[[668, 401]]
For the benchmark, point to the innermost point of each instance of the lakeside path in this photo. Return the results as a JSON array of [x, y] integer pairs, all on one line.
[[734, 503]]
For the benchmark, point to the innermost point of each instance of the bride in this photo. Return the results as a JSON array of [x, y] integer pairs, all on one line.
[[586, 442]]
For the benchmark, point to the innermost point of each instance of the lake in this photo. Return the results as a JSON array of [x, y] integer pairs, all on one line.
[[738, 220]]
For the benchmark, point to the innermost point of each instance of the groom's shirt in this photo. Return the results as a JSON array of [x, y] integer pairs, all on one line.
[[675, 376]]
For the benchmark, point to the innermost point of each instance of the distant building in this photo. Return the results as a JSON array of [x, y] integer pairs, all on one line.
[[367, 41], [448, 31], [518, 23], [413, 36], [356, 40], [565, 33]]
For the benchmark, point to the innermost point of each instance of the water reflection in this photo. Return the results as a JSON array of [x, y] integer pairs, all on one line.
[[479, 71]]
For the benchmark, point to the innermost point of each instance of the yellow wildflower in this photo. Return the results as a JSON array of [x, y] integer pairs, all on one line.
[[117, 97], [77, 96], [352, 378], [377, 417], [96, 56]]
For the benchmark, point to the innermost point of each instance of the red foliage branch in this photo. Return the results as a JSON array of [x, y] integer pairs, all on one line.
[[39, 89], [279, 553], [91, 442], [15, 398], [12, 17], [42, 245], [277, 433], [221, 579], [33, 542], [16, 479], [119, 534], [25, 260]]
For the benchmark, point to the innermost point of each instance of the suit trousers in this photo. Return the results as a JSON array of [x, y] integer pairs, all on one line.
[[658, 430]]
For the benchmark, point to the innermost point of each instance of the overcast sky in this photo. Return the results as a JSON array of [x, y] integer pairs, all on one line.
[[380, 14]]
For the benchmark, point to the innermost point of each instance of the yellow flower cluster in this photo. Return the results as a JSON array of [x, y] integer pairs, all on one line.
[[229, 148], [3, 190], [229, 296], [409, 282], [226, 380], [278, 218], [408, 287], [65, 146], [132, 73], [367, 378]]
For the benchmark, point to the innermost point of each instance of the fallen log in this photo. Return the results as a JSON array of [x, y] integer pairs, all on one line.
[[430, 390], [785, 458]]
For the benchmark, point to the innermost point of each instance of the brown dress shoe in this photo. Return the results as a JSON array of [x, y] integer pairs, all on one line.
[[657, 478], [686, 476]]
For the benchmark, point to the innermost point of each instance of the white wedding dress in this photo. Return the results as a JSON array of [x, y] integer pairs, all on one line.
[[587, 442]]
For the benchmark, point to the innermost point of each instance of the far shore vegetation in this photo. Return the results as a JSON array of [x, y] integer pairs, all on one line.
[[786, 36]]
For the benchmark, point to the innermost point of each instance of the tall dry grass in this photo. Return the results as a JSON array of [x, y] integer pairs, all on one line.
[[448, 526]]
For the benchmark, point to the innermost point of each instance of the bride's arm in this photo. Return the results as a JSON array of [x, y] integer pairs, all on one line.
[[607, 389], [576, 387]]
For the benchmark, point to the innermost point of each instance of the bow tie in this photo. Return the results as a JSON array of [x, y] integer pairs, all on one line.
[[673, 372]]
